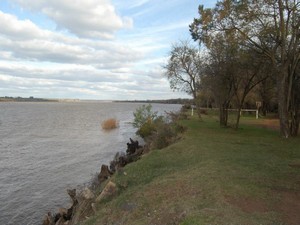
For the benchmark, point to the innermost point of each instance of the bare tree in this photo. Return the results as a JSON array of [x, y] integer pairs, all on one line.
[[184, 69]]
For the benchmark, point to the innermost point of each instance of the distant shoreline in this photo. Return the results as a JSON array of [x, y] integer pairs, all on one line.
[[33, 99], [167, 101], [30, 99]]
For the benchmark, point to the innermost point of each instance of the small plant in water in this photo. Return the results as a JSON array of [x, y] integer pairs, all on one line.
[[109, 124]]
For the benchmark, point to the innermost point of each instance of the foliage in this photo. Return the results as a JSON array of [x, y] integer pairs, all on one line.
[[143, 115], [271, 30], [158, 131], [109, 124], [165, 134], [184, 69], [144, 119]]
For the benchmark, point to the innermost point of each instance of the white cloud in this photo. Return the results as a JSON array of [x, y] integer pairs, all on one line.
[[89, 18], [11, 27], [44, 62], [23, 40]]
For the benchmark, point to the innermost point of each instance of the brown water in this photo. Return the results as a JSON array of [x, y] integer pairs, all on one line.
[[46, 148]]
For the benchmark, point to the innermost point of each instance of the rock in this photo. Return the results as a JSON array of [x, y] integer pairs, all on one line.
[[109, 190], [118, 162], [87, 194], [104, 173], [70, 212], [48, 219], [132, 147], [62, 214], [72, 194], [62, 211], [61, 221], [93, 205]]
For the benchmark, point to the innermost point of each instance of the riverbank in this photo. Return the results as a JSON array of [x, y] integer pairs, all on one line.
[[212, 176]]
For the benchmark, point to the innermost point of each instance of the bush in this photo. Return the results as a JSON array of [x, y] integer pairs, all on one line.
[[109, 124], [144, 119], [146, 129], [158, 131], [144, 115]]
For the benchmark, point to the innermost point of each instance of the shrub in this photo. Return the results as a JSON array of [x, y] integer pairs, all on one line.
[[158, 131], [143, 115], [109, 124], [146, 129], [144, 120]]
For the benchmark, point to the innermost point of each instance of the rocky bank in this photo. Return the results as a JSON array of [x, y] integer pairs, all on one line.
[[83, 204]]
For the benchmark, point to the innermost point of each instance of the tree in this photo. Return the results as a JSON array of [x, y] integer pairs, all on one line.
[[184, 69], [251, 71], [269, 27], [220, 73]]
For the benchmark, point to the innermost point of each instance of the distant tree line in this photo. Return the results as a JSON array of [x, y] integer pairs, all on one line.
[[21, 99], [248, 53], [181, 101]]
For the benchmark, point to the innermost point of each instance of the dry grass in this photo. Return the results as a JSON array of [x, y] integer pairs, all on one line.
[[109, 124]]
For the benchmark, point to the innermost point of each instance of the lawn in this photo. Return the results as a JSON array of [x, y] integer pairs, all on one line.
[[212, 175]]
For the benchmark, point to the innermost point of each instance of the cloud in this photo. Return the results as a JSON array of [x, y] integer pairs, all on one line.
[[11, 27], [97, 59], [88, 19], [23, 40], [138, 3]]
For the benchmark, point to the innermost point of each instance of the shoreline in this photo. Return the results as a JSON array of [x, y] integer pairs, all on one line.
[[83, 203]]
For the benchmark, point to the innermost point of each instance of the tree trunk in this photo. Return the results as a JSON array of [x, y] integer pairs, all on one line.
[[295, 120], [223, 114], [282, 84], [294, 110], [264, 108], [197, 105], [238, 118], [198, 110]]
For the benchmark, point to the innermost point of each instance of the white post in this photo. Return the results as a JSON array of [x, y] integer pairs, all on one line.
[[257, 114], [192, 111]]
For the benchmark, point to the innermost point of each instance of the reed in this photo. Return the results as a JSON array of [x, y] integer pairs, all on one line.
[[109, 124]]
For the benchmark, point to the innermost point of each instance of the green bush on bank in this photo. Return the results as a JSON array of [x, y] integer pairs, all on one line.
[[158, 131]]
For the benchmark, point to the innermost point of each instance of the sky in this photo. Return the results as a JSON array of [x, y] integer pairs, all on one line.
[[91, 49]]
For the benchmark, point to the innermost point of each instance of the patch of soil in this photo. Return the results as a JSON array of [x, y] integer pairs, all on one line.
[[289, 207], [294, 165], [248, 205], [272, 124], [168, 218]]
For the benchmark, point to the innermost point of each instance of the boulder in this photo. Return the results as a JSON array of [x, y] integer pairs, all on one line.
[[72, 194], [118, 162], [104, 173], [109, 190], [61, 221], [48, 219], [87, 194], [132, 147]]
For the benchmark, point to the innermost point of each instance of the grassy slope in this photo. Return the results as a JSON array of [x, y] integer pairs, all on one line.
[[212, 176]]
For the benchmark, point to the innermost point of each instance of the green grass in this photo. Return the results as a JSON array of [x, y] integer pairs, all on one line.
[[211, 176]]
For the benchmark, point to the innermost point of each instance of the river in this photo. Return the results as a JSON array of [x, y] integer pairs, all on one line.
[[46, 148]]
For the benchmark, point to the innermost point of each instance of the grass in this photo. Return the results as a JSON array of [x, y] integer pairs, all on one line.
[[212, 176], [109, 124]]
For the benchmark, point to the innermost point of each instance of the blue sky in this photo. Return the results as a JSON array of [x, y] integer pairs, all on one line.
[[91, 49]]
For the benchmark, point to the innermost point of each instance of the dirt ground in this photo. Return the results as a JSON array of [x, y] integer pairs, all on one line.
[[288, 205], [272, 124]]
